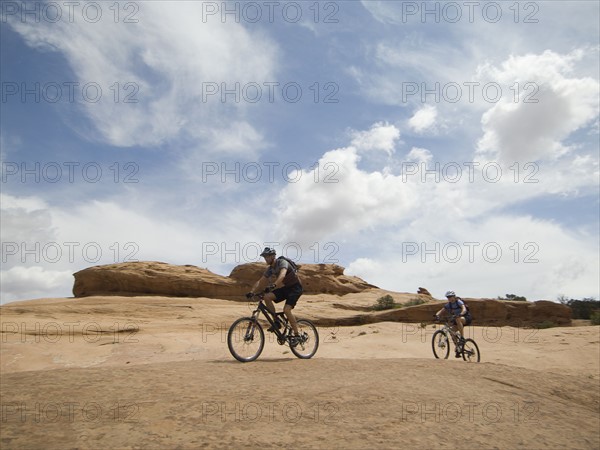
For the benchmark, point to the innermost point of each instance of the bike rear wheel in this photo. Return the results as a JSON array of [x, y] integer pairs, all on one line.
[[440, 344], [470, 351], [309, 340], [246, 339]]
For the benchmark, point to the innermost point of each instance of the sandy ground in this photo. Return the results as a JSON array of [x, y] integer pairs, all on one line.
[[152, 373]]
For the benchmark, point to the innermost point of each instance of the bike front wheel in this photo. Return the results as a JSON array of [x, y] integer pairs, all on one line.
[[245, 339], [440, 344], [470, 351], [309, 340]]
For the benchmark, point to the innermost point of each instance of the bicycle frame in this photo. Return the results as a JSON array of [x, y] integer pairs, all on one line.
[[447, 328], [268, 315]]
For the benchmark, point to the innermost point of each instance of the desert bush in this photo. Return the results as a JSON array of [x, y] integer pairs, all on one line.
[[385, 302], [513, 298], [414, 302], [595, 318], [545, 324], [581, 309]]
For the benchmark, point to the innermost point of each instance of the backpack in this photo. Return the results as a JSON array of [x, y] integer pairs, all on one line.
[[468, 315], [292, 264]]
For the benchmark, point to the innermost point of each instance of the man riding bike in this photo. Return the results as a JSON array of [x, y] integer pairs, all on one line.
[[456, 307], [287, 286]]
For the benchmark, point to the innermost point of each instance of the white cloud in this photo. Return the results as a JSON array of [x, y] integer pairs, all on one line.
[[552, 106], [499, 255], [381, 136], [423, 119], [23, 220], [356, 199], [238, 138], [43, 245], [25, 283], [429, 204], [348, 198], [169, 59], [420, 155]]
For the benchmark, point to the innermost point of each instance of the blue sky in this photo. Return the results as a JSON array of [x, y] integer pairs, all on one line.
[[439, 144]]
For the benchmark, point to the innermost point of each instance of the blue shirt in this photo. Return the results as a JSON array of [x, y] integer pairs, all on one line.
[[455, 308]]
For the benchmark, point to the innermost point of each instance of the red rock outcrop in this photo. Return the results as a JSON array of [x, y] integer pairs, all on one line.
[[423, 291], [485, 312], [157, 278], [153, 278], [161, 279], [316, 278]]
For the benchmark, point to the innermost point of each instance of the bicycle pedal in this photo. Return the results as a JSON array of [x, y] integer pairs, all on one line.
[[294, 340]]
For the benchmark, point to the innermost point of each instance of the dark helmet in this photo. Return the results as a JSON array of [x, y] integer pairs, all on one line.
[[268, 251]]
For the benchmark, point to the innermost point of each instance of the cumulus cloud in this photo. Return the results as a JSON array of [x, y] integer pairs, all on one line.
[[349, 198], [420, 155], [423, 119], [500, 255], [553, 104], [374, 213], [381, 136]]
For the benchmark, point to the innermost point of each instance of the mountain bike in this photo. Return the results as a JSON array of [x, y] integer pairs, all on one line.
[[440, 343], [246, 338]]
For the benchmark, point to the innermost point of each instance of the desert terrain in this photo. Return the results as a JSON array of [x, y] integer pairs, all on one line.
[[154, 372]]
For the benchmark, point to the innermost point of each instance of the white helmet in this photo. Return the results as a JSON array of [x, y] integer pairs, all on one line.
[[450, 294]]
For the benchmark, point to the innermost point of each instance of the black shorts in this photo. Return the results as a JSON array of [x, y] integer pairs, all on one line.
[[290, 294], [468, 319]]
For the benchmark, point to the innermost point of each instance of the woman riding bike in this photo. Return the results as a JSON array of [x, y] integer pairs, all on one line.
[[456, 307]]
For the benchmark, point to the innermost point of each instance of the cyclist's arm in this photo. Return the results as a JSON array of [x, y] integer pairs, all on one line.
[[260, 284], [279, 281], [440, 311], [463, 310]]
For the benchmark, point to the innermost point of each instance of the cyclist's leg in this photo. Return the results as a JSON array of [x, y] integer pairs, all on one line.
[[287, 309], [460, 322], [269, 298], [293, 294]]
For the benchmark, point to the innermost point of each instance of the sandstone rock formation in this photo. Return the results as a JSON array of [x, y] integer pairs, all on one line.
[[153, 278], [157, 278], [316, 278], [423, 291], [485, 312], [147, 278]]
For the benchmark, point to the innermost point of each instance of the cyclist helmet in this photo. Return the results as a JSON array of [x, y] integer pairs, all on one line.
[[268, 251], [450, 294]]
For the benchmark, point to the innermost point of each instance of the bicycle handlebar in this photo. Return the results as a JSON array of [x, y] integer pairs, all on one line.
[[445, 319], [260, 295]]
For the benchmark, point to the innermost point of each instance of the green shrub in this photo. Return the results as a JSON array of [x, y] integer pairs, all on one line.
[[581, 309], [385, 302], [413, 302], [513, 298], [545, 324], [595, 318]]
